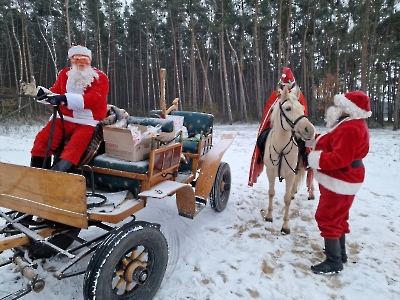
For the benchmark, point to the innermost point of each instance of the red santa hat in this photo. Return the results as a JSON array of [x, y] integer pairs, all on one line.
[[356, 104], [78, 49], [287, 77]]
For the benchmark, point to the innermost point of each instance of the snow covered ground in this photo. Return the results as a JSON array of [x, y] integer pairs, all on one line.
[[236, 255]]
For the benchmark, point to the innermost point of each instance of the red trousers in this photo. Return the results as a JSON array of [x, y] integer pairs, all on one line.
[[333, 213], [80, 138]]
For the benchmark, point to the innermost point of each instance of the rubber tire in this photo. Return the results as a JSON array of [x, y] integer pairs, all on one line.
[[98, 280], [38, 250], [219, 199]]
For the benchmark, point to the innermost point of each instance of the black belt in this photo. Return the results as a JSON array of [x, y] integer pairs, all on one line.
[[357, 163]]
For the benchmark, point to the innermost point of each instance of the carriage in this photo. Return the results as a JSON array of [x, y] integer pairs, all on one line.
[[44, 211]]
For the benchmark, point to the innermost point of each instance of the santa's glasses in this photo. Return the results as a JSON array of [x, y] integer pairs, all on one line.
[[80, 58]]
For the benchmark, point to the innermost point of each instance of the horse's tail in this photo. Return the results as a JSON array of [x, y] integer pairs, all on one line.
[[301, 173]]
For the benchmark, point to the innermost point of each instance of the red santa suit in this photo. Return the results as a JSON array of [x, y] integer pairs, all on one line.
[[257, 164], [86, 106], [337, 160]]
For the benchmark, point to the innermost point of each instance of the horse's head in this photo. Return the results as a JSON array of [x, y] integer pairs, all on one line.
[[290, 114]]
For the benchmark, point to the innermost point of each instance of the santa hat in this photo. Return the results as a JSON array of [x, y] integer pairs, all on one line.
[[287, 77], [356, 104], [78, 49]]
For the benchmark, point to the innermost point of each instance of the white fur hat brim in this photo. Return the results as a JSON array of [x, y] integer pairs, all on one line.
[[79, 50], [350, 107]]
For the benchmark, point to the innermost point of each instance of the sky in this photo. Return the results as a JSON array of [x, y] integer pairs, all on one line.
[[234, 254]]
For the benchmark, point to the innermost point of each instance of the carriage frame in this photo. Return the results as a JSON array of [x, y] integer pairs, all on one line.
[[44, 211]]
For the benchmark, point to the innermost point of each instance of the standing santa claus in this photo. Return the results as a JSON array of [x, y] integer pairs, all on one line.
[[80, 92], [337, 160]]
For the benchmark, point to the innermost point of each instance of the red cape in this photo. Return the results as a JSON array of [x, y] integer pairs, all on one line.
[[257, 168]]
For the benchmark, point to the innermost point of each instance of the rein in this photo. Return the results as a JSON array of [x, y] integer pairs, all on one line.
[[291, 142]]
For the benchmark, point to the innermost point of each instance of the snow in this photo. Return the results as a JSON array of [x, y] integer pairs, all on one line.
[[235, 254]]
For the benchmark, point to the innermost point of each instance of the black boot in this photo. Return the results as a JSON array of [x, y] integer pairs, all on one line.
[[333, 262], [62, 166], [342, 241], [37, 162]]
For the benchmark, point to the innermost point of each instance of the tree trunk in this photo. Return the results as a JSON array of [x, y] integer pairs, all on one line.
[[396, 106], [242, 106], [67, 20], [288, 36], [364, 50], [279, 58], [225, 73], [257, 58], [207, 86]]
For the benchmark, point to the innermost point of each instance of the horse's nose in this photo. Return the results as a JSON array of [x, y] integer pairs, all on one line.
[[306, 130]]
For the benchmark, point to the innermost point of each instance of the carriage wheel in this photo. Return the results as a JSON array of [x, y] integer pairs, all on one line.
[[38, 249], [129, 264], [221, 189]]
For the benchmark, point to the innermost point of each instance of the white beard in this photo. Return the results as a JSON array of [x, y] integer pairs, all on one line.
[[332, 116], [81, 79]]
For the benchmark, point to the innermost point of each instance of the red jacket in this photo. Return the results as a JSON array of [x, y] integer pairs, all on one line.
[[85, 106], [257, 168], [334, 152]]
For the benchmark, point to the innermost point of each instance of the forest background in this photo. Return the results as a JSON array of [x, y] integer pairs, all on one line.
[[222, 56]]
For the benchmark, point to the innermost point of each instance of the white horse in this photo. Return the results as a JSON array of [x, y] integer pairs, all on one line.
[[281, 154]]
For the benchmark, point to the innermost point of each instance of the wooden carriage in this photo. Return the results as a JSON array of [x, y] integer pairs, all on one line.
[[44, 210]]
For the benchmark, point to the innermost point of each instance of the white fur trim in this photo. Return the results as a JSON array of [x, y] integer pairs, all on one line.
[[351, 108], [336, 185], [46, 90], [79, 50], [313, 159], [74, 101]]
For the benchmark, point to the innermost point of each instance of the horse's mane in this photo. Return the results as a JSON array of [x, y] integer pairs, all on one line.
[[284, 95], [275, 112]]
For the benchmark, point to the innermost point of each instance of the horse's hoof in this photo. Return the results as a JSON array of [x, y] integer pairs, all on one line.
[[264, 216], [285, 231], [311, 198]]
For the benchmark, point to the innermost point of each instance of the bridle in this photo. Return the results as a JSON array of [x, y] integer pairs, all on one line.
[[291, 124], [290, 143]]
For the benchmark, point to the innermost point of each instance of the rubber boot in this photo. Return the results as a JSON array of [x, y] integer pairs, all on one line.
[[37, 162], [333, 262], [342, 241], [62, 165]]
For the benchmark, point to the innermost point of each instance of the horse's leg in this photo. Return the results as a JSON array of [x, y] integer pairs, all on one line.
[[311, 195], [271, 194], [287, 199], [298, 179], [310, 184]]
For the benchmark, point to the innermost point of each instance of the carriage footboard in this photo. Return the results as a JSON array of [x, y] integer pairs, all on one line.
[[56, 196]]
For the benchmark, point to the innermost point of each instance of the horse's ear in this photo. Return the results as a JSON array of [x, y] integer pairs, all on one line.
[[296, 91], [285, 91]]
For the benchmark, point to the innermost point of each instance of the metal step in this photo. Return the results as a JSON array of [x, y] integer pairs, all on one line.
[[182, 176]]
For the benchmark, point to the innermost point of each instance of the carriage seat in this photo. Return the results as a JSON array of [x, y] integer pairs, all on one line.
[[166, 125], [195, 122], [198, 125], [111, 183]]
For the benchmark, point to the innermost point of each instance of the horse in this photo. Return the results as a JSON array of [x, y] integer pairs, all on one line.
[[281, 154]]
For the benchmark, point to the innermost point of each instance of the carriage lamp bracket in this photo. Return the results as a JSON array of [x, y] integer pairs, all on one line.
[[174, 174]]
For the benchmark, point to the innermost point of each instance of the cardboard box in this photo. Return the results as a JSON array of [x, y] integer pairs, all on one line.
[[119, 144]]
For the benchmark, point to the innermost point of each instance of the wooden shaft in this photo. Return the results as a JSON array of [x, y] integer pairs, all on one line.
[[162, 87]]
